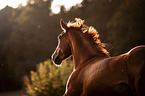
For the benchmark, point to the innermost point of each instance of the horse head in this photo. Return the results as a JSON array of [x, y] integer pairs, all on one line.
[[71, 42], [63, 49]]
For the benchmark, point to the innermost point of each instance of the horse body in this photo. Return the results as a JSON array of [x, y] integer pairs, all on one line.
[[95, 72], [110, 76], [104, 77]]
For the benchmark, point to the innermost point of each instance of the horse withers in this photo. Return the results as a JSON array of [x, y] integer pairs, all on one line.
[[95, 72]]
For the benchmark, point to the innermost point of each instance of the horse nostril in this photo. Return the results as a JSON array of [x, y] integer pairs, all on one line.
[[54, 57]]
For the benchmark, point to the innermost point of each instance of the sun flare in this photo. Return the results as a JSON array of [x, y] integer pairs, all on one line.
[[56, 5], [12, 3]]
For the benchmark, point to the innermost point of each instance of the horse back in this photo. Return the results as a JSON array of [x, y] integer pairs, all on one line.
[[136, 69], [136, 58], [107, 77]]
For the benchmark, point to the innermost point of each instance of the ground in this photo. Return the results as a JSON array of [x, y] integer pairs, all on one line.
[[13, 93]]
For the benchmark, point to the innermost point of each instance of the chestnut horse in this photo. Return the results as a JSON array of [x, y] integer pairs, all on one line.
[[95, 72]]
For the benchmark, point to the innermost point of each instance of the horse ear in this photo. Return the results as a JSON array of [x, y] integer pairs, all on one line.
[[63, 25]]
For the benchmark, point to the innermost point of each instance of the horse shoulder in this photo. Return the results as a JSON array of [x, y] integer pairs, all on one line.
[[107, 67], [93, 70]]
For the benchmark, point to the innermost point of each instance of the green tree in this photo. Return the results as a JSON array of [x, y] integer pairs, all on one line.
[[48, 80]]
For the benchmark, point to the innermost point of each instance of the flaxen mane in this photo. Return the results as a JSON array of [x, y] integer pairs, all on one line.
[[90, 32]]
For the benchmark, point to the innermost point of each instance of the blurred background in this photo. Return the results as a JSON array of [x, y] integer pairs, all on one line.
[[29, 30]]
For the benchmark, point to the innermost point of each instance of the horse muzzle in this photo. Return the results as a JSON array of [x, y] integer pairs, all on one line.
[[56, 60]]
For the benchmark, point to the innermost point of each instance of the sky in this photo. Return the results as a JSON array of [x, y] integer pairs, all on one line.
[[55, 6]]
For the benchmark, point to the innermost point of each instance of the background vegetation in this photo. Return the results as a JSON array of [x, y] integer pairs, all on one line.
[[28, 35], [48, 80]]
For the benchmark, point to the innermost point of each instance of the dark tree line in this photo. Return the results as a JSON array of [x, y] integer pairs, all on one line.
[[28, 35], [127, 26]]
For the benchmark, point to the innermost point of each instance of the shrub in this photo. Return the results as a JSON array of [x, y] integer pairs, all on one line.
[[48, 80]]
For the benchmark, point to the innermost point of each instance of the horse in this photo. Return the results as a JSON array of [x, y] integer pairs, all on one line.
[[95, 72]]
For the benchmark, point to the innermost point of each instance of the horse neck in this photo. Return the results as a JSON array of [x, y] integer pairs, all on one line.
[[82, 50]]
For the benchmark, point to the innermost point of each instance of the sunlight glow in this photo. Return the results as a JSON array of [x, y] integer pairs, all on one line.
[[56, 5], [12, 3]]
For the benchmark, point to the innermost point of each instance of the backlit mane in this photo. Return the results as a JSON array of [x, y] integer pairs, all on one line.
[[90, 32]]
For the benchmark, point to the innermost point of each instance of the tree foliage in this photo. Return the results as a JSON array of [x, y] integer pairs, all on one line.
[[48, 80]]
